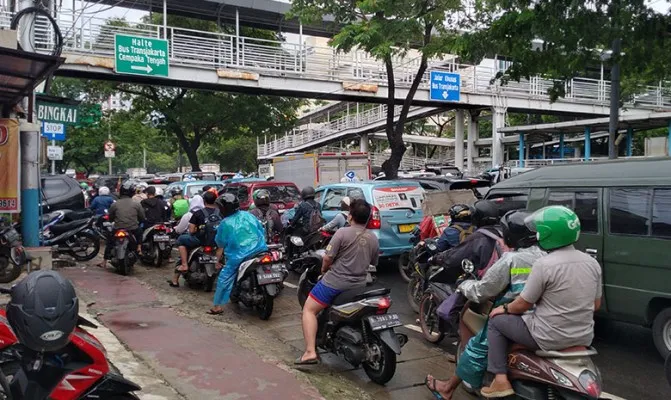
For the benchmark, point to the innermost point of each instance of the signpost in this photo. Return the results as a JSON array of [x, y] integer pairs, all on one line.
[[140, 55], [57, 112], [53, 131], [110, 152], [445, 86], [54, 153]]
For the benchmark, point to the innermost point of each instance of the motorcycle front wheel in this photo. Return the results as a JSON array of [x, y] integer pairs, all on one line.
[[405, 267], [265, 309], [429, 320], [8, 271], [383, 369], [89, 242]]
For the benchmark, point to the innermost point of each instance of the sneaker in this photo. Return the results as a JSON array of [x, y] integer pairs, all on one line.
[[496, 390]]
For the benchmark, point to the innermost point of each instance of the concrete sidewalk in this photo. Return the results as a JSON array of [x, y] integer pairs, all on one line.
[[196, 359]]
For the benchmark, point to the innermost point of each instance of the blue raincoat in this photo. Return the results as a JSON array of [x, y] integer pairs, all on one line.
[[241, 235]]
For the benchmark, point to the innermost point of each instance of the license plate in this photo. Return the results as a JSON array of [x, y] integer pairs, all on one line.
[[161, 238], [385, 321], [270, 277], [405, 228], [207, 259]]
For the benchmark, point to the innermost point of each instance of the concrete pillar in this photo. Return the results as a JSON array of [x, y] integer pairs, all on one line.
[[668, 141], [630, 141], [576, 152], [588, 143], [165, 19], [30, 184], [459, 139], [498, 122], [561, 145], [472, 137], [363, 143], [520, 156], [543, 151]]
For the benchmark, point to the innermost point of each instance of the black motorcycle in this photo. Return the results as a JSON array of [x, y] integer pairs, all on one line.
[[202, 270], [156, 244], [418, 284], [357, 326], [260, 279], [297, 247], [124, 253], [76, 238], [434, 329], [12, 254]]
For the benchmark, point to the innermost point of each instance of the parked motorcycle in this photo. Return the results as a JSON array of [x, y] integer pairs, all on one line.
[[434, 329], [418, 284], [260, 279], [156, 244], [357, 325], [75, 238], [78, 371], [12, 254], [202, 268], [123, 254], [535, 375]]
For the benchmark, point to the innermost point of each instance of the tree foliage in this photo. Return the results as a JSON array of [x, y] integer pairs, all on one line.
[[389, 30]]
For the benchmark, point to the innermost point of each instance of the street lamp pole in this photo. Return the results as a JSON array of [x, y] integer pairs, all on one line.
[[614, 99]]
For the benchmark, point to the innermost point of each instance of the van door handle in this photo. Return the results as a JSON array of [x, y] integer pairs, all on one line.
[[591, 252]]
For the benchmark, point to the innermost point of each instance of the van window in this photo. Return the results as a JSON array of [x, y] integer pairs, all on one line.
[[332, 199], [355, 193], [507, 201], [630, 211], [561, 199], [585, 205], [661, 213]]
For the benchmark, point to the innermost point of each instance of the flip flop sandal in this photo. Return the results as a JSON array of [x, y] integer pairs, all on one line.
[[433, 390], [215, 312], [172, 284], [314, 361]]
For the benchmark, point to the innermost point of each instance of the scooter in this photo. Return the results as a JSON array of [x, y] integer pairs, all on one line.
[[123, 255], [535, 375], [297, 248], [419, 256], [202, 268], [75, 238], [156, 245], [78, 371], [260, 279], [357, 326], [12, 254]]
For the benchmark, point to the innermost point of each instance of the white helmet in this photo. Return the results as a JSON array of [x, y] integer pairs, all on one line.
[[159, 191], [104, 191]]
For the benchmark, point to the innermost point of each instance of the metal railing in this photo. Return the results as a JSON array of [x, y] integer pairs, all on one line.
[[536, 163]]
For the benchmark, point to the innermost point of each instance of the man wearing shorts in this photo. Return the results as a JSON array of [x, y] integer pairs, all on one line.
[[344, 267]]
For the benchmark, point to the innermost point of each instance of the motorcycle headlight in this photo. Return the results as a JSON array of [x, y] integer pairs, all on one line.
[[296, 241]]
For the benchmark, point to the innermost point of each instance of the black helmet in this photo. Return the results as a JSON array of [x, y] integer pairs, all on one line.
[[485, 213], [43, 311], [515, 231], [176, 191], [261, 198], [228, 203], [128, 188], [308, 193], [461, 213]]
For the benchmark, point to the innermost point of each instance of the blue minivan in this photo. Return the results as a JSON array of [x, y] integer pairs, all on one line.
[[397, 209]]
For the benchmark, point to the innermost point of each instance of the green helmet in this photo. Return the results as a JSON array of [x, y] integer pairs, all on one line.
[[555, 227], [180, 207]]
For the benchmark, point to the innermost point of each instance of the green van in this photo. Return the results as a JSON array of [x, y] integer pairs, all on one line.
[[625, 213]]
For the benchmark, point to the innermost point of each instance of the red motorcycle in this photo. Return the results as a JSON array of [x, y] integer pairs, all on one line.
[[80, 370]]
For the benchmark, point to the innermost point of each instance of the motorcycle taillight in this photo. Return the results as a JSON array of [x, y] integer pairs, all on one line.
[[208, 249], [591, 383]]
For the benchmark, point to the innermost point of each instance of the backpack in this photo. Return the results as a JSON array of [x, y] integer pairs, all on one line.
[[315, 220], [463, 233], [208, 230], [500, 247]]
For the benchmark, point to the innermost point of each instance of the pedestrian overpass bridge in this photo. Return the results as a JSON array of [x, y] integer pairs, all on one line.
[[230, 62]]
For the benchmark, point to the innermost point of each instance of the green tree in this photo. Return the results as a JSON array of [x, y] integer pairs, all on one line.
[[388, 30]]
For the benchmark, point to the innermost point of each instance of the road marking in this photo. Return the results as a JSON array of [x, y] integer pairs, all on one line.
[[611, 396], [413, 328], [290, 285]]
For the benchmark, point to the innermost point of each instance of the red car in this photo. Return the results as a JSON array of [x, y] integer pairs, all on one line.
[[283, 195]]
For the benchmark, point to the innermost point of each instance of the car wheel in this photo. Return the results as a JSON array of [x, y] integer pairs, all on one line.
[[661, 332]]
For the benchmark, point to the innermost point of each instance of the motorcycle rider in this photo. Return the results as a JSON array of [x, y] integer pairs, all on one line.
[[102, 202], [126, 214], [504, 281], [264, 211], [191, 240], [140, 194], [302, 222], [155, 209], [564, 286], [461, 226], [344, 266], [240, 236], [179, 204], [340, 220], [196, 204]]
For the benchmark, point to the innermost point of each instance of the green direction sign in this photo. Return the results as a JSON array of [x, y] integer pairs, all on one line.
[[140, 55], [55, 112]]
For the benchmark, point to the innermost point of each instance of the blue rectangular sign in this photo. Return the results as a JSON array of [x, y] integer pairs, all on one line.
[[445, 86], [53, 131]]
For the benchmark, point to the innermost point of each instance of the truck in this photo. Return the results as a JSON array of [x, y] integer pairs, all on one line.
[[314, 169]]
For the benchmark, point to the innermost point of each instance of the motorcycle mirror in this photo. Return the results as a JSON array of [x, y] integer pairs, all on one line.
[[467, 266]]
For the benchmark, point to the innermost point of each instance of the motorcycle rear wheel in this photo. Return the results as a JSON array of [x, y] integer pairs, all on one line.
[[413, 292], [265, 309], [384, 369], [427, 315], [95, 242], [8, 271], [405, 267]]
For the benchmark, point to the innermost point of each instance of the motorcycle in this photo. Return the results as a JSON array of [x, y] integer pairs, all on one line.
[[156, 244], [78, 371], [434, 329], [357, 326], [103, 227], [297, 247], [535, 375], [75, 238], [123, 254], [12, 254], [260, 279], [202, 268], [418, 284]]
